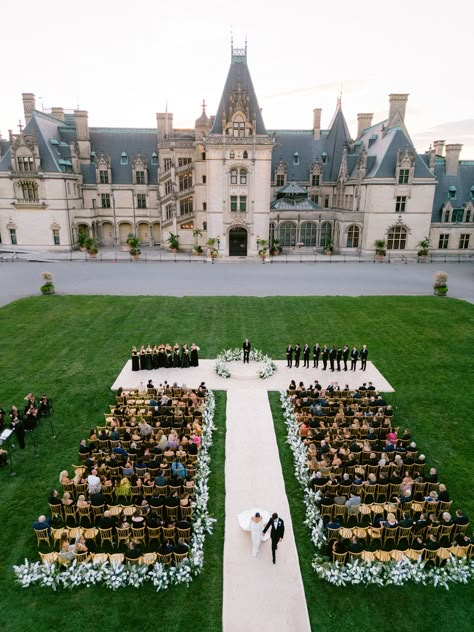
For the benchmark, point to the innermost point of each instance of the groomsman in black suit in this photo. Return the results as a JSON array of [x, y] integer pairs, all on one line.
[[345, 355], [306, 352], [289, 356], [297, 354], [354, 356], [246, 349], [325, 356], [364, 352], [316, 352], [339, 358], [332, 357], [277, 527]]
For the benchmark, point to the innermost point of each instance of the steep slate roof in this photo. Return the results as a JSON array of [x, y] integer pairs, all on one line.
[[113, 142], [463, 182], [334, 144], [238, 73], [383, 151], [5, 161]]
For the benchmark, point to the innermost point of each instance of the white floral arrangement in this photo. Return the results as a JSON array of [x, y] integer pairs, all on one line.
[[115, 576], [237, 355], [394, 573]]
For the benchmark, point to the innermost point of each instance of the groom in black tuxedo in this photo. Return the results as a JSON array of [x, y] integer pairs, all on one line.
[[277, 527], [246, 349]]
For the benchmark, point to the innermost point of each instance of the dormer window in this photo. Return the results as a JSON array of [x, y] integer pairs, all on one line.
[[315, 179], [472, 193], [123, 158], [104, 176], [324, 157], [452, 193], [403, 176], [296, 158], [154, 158], [25, 163], [238, 126]]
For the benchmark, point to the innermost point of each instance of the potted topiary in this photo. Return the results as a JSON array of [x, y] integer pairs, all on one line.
[[81, 238], [133, 245], [440, 287], [90, 245], [48, 285], [173, 241], [328, 246], [424, 249], [380, 251], [262, 248], [197, 249], [276, 247]]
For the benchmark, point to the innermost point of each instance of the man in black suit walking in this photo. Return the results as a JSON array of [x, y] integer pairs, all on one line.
[[277, 527], [364, 352], [297, 354], [316, 352], [289, 356], [306, 352], [339, 358], [325, 356], [246, 349], [332, 357]]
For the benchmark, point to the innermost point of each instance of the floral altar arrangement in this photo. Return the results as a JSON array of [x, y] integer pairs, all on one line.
[[237, 355], [396, 573], [115, 576]]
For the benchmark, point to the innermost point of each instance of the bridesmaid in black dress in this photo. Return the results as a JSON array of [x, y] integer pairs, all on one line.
[[135, 360], [194, 355], [161, 356], [176, 357], [185, 359], [142, 358], [149, 358], [154, 355], [169, 356]]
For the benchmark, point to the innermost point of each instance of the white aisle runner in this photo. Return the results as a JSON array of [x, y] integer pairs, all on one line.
[[257, 594]]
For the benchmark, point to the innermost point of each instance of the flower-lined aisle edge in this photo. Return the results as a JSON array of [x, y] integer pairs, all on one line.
[[237, 355], [116, 576], [395, 573]]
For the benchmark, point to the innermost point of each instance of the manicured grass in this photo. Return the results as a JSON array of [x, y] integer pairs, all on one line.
[[74, 347]]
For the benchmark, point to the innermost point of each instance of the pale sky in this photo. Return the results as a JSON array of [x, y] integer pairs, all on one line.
[[123, 61]]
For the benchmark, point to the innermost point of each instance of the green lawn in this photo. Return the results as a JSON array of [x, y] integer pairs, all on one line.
[[74, 347]]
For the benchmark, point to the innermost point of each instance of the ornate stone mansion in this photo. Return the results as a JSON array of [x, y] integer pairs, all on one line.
[[232, 179]]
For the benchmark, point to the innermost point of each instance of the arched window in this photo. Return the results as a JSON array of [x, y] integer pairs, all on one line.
[[238, 126], [397, 238], [271, 233], [353, 235], [233, 176], [326, 234], [243, 176], [308, 232], [29, 191], [287, 234]]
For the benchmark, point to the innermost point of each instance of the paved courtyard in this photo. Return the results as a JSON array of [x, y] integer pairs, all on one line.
[[21, 279]]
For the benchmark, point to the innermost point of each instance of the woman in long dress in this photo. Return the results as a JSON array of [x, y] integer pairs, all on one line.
[[185, 356], [142, 358], [194, 355], [135, 360], [149, 358], [256, 530], [176, 356]]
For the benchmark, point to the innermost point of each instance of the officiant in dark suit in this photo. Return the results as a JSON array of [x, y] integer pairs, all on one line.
[[246, 349], [277, 532]]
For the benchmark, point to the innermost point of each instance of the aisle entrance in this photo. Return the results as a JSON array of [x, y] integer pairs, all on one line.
[[237, 242]]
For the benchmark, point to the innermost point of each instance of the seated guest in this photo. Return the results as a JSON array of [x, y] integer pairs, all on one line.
[[443, 494], [54, 498], [133, 551], [181, 547], [42, 523], [84, 448], [66, 550], [94, 483], [66, 499], [432, 544], [106, 521], [356, 545], [461, 518]]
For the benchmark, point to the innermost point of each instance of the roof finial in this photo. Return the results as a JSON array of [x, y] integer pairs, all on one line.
[[245, 44], [20, 126], [203, 106], [231, 41], [339, 97]]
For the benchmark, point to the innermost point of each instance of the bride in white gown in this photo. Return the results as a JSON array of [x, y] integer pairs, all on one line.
[[254, 520]]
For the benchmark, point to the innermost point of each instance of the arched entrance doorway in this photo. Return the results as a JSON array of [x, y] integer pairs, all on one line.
[[238, 242], [124, 231]]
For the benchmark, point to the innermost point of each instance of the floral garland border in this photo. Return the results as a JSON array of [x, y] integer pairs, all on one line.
[[237, 354], [114, 576], [395, 573]]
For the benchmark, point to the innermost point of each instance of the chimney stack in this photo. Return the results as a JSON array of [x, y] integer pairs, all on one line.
[[164, 123], [58, 113], [452, 159], [317, 123], [398, 104], [28, 105], [82, 124], [438, 147], [364, 120]]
